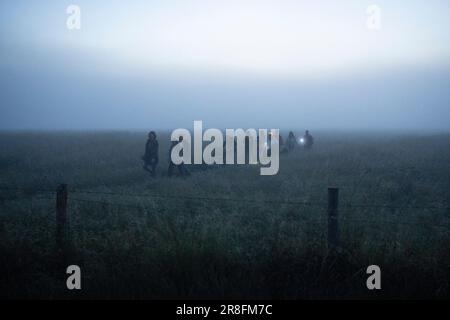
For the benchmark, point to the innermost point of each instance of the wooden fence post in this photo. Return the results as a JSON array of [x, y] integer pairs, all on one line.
[[61, 214], [333, 222]]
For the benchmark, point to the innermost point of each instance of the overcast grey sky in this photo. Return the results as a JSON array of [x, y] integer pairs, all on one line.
[[266, 63]]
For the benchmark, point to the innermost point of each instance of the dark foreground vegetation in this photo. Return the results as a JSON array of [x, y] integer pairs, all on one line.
[[182, 241]]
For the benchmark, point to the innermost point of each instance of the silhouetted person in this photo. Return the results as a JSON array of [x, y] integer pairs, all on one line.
[[283, 148], [280, 140], [247, 150], [308, 140], [291, 141], [181, 167], [269, 144], [151, 153], [224, 151]]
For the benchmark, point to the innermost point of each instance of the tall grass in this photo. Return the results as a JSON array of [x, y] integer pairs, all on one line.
[[187, 248]]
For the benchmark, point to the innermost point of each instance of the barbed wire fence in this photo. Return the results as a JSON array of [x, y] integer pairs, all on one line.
[[332, 206]]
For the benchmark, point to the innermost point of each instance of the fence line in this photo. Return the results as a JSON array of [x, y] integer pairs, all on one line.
[[24, 189], [321, 220], [344, 219], [437, 225], [62, 198], [204, 198], [107, 203]]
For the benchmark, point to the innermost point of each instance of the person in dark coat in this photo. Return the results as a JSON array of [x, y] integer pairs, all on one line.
[[151, 154], [308, 140], [283, 148], [182, 170], [291, 141]]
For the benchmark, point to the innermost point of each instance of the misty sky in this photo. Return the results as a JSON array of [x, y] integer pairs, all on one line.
[[249, 63]]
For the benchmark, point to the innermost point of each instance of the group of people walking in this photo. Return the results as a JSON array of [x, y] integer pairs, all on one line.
[[151, 155]]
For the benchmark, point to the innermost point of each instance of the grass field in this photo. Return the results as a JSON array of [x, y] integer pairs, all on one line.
[[394, 199]]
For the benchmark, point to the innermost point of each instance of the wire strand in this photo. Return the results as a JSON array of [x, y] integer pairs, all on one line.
[[205, 198]]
